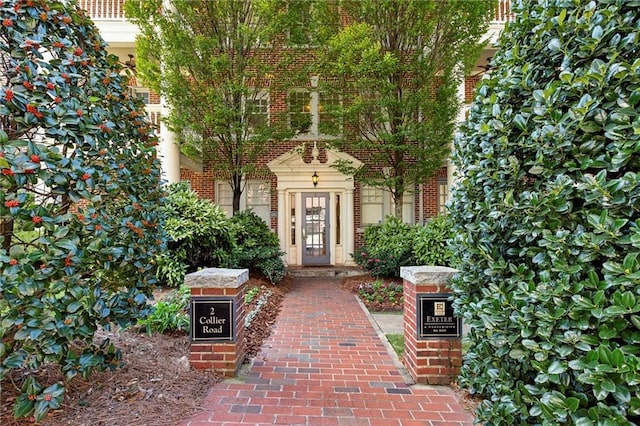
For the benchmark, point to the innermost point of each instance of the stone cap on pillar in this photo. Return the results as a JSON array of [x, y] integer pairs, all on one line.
[[427, 274], [217, 278]]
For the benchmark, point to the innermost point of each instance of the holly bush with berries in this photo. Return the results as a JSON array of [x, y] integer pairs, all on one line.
[[79, 218]]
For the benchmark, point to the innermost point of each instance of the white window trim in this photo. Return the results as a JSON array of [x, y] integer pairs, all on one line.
[[222, 185], [388, 206], [259, 96], [314, 111]]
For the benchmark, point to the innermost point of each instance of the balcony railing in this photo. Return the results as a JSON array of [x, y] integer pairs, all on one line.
[[114, 10], [104, 9], [503, 13]]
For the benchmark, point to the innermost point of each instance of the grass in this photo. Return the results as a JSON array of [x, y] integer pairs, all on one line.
[[397, 343]]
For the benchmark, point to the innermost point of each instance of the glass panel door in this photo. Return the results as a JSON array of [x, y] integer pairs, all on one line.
[[315, 229]]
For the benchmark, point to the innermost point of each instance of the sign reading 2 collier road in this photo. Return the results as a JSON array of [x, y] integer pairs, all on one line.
[[212, 319], [435, 317]]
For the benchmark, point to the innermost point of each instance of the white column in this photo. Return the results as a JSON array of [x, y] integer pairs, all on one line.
[[315, 105], [461, 118], [168, 150], [461, 99], [350, 228], [282, 230], [451, 169]]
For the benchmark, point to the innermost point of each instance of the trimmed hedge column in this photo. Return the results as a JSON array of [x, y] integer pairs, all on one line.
[[430, 360], [217, 336]]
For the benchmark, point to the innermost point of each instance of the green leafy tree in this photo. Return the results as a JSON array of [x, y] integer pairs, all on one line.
[[397, 66], [80, 189], [547, 221], [212, 61]]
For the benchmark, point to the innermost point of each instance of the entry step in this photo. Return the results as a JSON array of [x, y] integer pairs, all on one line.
[[324, 271]]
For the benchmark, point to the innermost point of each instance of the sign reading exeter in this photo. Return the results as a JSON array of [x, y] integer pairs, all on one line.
[[435, 317], [212, 319]]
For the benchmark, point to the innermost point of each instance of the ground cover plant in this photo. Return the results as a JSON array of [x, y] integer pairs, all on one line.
[[547, 221], [79, 224], [377, 294], [169, 314], [381, 294]]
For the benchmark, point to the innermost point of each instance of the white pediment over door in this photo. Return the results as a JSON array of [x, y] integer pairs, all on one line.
[[293, 172]]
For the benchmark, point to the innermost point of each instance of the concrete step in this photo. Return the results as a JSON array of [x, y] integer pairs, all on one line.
[[323, 271]]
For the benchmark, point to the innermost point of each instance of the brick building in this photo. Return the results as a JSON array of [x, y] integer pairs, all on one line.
[[318, 213]]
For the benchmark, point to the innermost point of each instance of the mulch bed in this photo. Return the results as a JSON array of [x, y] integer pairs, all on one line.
[[156, 387]]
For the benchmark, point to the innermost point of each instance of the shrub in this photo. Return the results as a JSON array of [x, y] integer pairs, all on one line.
[[79, 223], [169, 314], [547, 221], [430, 244], [386, 247], [257, 247], [200, 235]]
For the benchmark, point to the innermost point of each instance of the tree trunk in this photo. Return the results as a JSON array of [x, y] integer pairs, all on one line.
[[6, 232], [237, 193], [398, 206], [236, 187]]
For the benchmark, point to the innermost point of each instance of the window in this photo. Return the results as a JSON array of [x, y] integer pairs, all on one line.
[[372, 205], [292, 201], [338, 213], [443, 195], [329, 123], [224, 197], [407, 207], [141, 93], [377, 203], [300, 111], [257, 109], [256, 196], [313, 113]]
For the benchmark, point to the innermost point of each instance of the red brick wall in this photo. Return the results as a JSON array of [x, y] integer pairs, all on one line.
[[434, 361], [204, 183], [470, 85], [224, 357]]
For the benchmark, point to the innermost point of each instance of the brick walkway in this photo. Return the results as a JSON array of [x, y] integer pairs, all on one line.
[[324, 364]]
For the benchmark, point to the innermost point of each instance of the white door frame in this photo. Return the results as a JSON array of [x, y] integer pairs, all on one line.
[[294, 178]]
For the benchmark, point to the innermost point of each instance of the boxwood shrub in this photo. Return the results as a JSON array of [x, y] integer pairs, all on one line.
[[547, 224]]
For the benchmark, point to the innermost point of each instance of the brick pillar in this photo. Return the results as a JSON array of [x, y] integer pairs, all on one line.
[[217, 315], [432, 336]]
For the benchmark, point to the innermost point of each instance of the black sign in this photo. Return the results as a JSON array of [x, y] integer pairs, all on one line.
[[212, 319], [435, 317]]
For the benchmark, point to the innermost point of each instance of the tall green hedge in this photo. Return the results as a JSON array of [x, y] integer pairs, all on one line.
[[79, 195], [547, 213]]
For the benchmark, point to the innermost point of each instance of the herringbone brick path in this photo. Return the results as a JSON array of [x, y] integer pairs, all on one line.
[[324, 364]]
